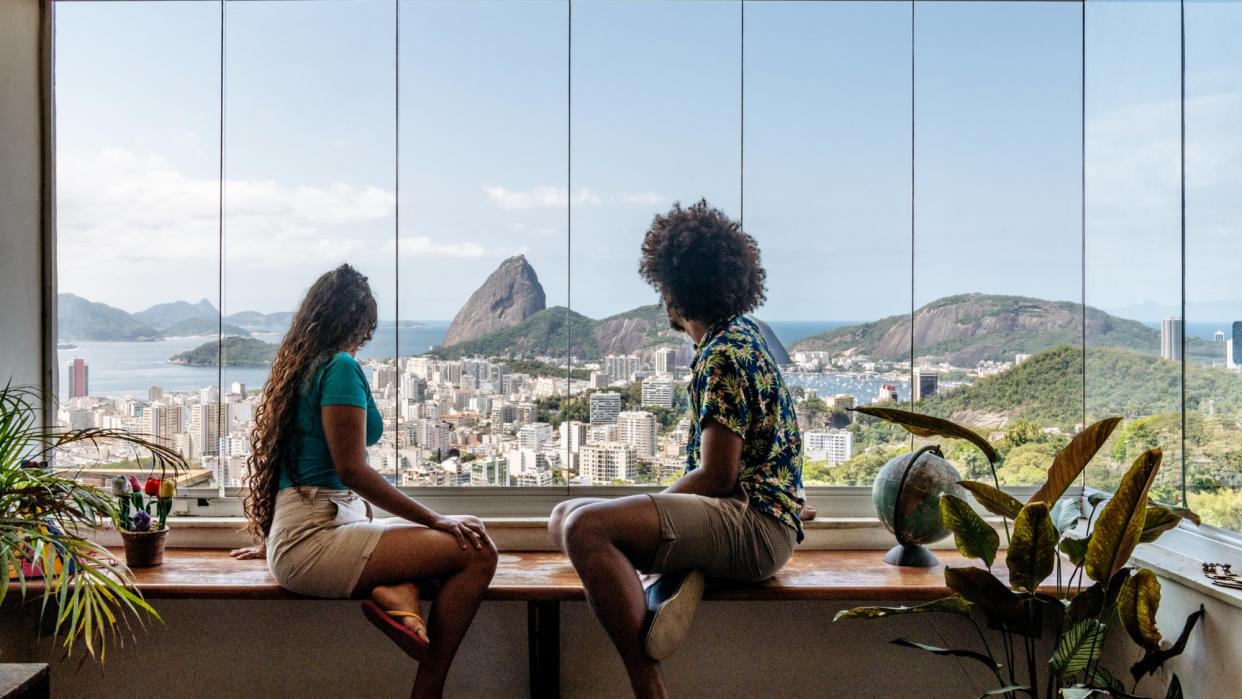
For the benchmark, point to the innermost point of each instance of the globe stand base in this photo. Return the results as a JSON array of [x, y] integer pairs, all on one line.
[[912, 556]]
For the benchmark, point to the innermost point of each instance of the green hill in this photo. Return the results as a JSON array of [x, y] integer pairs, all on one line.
[[968, 328], [542, 334], [80, 319], [238, 351], [1048, 389]]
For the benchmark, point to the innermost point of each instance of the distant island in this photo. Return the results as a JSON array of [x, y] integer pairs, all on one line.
[[238, 351]]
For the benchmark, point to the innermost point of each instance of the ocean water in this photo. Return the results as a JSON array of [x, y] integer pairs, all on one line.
[[130, 368]]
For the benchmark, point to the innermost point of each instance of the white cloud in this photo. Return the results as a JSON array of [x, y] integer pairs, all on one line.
[[647, 198], [544, 196], [122, 207], [422, 246]]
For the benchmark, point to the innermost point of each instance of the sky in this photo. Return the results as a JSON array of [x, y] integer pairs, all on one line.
[[510, 142]]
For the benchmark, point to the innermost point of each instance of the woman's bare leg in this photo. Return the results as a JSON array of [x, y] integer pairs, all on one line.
[[411, 553], [403, 597]]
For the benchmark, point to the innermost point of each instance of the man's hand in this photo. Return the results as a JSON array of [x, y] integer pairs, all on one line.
[[468, 530], [249, 552]]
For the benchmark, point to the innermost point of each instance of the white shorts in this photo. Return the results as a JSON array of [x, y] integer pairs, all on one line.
[[320, 541]]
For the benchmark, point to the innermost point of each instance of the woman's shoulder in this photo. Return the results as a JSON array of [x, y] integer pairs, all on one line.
[[343, 359], [342, 366]]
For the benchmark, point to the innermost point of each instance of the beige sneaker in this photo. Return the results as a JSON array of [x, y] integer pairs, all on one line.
[[671, 601]]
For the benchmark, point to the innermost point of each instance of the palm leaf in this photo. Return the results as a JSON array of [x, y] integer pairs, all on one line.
[[1070, 461], [1153, 659], [947, 605], [1137, 604], [935, 650], [1077, 648], [1065, 514], [1032, 551], [973, 536], [1120, 524], [928, 426], [993, 500]]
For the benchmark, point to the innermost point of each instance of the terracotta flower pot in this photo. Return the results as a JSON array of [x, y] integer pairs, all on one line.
[[144, 549]]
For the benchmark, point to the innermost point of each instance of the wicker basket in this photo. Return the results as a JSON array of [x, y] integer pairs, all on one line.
[[144, 549]]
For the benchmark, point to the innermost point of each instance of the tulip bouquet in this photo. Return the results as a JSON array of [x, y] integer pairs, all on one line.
[[129, 494]]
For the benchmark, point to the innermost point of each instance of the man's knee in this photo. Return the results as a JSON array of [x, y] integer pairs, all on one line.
[[584, 527]]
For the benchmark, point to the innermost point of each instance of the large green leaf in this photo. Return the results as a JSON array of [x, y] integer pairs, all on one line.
[[984, 589], [928, 426], [948, 605], [995, 501], [1076, 549], [1153, 659], [1077, 648], [1065, 514], [1137, 603], [1032, 552], [1071, 460], [973, 655], [1096, 598], [1100, 677], [973, 536], [1120, 524], [1158, 520]]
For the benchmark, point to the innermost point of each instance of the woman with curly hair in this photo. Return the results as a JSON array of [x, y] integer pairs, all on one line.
[[310, 490], [735, 514]]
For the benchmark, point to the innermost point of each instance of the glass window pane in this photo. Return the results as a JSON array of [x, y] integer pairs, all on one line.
[[137, 93], [997, 256], [828, 197], [656, 120], [484, 247], [1213, 248], [1133, 247], [309, 186]]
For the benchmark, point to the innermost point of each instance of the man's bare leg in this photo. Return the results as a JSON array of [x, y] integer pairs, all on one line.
[[556, 522], [606, 541]]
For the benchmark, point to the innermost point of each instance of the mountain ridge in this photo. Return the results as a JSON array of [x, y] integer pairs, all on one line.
[[965, 329]]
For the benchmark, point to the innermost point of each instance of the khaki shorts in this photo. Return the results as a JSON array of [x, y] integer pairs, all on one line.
[[320, 541], [723, 537]]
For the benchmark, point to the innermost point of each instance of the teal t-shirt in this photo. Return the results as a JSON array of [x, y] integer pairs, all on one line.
[[341, 381]]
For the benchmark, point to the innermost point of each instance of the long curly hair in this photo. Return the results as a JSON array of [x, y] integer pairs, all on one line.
[[338, 314]]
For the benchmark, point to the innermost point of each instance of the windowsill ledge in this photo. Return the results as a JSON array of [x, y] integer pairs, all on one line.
[[1179, 556], [529, 533]]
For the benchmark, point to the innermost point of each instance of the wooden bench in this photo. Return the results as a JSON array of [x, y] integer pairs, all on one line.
[[545, 579]]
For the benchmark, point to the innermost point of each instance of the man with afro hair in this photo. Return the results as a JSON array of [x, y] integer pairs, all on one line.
[[735, 514]]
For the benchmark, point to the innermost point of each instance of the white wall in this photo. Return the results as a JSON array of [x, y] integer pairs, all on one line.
[[326, 648], [20, 176]]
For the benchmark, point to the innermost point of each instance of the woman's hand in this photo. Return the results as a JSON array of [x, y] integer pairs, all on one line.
[[250, 552], [468, 530]]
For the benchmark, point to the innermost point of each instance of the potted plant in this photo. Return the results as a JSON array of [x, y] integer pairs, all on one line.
[[1080, 616], [142, 533], [44, 516]]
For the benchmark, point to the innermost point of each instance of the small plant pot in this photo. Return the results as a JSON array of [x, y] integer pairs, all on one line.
[[144, 549]]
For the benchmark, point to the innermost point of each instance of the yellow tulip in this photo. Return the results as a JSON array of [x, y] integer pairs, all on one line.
[[168, 489]]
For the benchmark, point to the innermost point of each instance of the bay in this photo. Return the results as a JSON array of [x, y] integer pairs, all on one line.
[[131, 368]]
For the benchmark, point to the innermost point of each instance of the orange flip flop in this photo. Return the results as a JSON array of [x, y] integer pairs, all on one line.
[[402, 635]]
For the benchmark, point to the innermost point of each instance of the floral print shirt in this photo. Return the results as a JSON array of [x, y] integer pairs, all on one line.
[[736, 382]]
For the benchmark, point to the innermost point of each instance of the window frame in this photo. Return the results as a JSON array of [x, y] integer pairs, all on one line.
[[832, 501]]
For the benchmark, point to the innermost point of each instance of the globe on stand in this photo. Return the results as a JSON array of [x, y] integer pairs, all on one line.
[[907, 498]]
